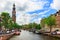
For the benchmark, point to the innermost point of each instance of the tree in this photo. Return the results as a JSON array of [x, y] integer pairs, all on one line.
[[16, 26], [38, 26], [51, 21], [7, 21], [5, 17], [43, 22], [30, 25], [34, 25]]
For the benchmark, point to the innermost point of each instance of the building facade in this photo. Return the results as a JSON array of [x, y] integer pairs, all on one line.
[[58, 19], [55, 27]]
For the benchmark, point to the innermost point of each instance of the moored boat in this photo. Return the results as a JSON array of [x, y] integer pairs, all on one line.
[[17, 33]]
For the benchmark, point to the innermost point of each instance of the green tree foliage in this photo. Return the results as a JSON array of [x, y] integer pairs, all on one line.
[[50, 21], [32, 25], [43, 22], [38, 26], [16, 26], [5, 17], [7, 21]]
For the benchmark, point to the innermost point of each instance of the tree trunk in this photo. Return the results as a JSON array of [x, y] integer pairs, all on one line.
[[50, 29]]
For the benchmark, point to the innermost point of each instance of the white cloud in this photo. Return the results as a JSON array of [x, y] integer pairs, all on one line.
[[23, 18], [2, 5], [56, 4], [34, 6], [37, 20]]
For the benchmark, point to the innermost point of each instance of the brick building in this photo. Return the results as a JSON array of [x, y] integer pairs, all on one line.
[[58, 19], [57, 26]]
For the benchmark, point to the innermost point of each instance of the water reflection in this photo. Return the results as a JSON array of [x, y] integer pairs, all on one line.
[[25, 35]]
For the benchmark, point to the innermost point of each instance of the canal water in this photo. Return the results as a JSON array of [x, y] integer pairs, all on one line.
[[26, 35]]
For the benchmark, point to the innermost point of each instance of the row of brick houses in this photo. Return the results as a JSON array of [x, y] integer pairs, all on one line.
[[58, 19], [57, 26]]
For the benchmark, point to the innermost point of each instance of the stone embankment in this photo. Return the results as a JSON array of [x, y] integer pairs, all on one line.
[[49, 34], [6, 36]]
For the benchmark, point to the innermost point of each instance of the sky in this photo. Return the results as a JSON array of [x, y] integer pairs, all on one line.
[[28, 11]]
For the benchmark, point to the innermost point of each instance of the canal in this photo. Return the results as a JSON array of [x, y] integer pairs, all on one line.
[[26, 35]]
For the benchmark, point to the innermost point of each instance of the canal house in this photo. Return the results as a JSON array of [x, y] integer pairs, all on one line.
[[57, 26]]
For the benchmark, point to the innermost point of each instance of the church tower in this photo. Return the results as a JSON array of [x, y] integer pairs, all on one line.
[[14, 13]]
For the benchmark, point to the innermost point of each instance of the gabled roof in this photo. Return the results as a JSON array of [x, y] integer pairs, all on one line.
[[58, 12]]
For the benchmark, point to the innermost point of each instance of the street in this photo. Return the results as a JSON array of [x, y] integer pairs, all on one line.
[[26, 35]]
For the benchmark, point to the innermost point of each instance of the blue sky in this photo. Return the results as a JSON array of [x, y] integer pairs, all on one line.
[[28, 11]]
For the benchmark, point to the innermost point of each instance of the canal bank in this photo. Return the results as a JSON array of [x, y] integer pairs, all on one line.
[[49, 34], [26, 35], [6, 36]]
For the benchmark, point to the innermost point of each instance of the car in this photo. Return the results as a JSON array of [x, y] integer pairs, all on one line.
[[37, 32], [56, 32], [1, 32], [13, 30], [7, 32]]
